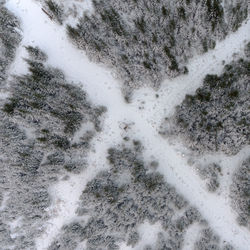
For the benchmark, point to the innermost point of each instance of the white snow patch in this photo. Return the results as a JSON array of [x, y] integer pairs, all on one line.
[[85, 128], [3, 94], [228, 165], [191, 236], [14, 225], [82, 245], [4, 201], [18, 66], [148, 234], [29, 132]]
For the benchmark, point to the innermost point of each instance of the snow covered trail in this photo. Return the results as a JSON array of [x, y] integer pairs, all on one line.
[[103, 89]]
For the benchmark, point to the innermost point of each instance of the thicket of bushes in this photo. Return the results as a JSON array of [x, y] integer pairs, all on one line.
[[38, 124], [147, 41], [120, 199], [216, 117]]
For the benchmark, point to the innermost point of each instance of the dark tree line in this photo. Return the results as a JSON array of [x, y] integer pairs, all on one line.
[[240, 193], [9, 40]]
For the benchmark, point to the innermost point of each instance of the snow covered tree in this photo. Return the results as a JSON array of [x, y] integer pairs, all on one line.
[[38, 124], [146, 41], [216, 117]]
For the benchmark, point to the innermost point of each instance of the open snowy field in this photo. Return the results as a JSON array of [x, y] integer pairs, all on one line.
[[140, 119]]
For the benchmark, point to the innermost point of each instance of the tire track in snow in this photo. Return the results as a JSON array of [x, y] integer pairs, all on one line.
[[103, 89]]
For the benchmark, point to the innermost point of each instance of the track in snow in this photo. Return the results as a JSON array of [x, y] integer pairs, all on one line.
[[103, 89]]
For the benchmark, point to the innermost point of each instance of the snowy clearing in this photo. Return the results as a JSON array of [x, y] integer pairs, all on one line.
[[103, 89]]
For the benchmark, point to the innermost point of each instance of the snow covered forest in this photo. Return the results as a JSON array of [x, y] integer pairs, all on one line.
[[124, 125]]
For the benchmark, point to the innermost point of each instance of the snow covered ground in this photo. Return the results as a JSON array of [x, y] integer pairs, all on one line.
[[145, 112]]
